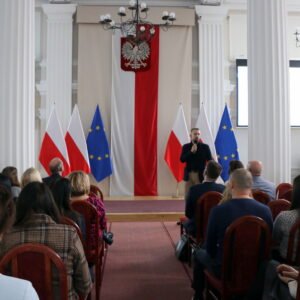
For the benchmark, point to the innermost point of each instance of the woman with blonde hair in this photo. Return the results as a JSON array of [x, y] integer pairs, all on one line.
[[80, 190], [30, 175]]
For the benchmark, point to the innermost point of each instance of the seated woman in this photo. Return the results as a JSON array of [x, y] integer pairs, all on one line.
[[37, 221], [12, 174], [10, 287], [30, 175], [80, 189], [284, 222], [61, 191]]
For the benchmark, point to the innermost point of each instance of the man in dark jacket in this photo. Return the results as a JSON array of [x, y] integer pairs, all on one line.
[[56, 167], [211, 174], [195, 154]]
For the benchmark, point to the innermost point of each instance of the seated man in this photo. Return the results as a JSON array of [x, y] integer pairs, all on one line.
[[220, 218], [259, 183], [211, 174]]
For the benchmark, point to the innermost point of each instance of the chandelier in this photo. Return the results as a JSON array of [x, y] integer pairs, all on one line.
[[136, 28]]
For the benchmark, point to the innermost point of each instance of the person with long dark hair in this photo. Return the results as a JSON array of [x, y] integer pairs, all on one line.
[[284, 222], [37, 221], [10, 287], [61, 191], [12, 174]]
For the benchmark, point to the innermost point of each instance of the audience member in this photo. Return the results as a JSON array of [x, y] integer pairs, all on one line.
[[10, 287], [211, 173], [259, 183], [30, 175], [12, 174], [80, 189], [233, 165], [56, 167], [36, 222], [284, 222], [5, 181], [61, 191], [220, 218]]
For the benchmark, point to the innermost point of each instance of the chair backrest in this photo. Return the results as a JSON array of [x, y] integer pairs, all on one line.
[[287, 195], [96, 190], [261, 196], [246, 243], [293, 251], [204, 205], [277, 206], [36, 263], [282, 188], [67, 221], [92, 241]]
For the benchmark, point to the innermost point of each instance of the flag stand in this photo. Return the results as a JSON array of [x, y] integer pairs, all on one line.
[[177, 191]]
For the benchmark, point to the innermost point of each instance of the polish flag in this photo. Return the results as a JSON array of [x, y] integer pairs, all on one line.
[[134, 110], [76, 144], [178, 137], [53, 145], [206, 135]]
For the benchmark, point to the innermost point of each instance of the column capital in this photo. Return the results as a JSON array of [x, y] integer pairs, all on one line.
[[59, 11], [211, 13]]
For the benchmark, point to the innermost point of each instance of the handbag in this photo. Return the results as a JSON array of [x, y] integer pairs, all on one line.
[[181, 249]]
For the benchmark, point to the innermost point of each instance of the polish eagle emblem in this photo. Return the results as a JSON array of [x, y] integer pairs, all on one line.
[[136, 56]]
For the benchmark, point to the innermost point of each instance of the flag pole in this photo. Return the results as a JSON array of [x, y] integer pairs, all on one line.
[[177, 191]]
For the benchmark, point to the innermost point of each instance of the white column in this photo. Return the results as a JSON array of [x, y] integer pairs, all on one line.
[[269, 108], [211, 62], [59, 60], [17, 84]]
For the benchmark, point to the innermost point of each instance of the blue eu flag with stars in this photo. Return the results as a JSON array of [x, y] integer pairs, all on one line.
[[226, 146], [98, 149]]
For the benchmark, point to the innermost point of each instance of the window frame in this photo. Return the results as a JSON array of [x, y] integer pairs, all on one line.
[[242, 63]]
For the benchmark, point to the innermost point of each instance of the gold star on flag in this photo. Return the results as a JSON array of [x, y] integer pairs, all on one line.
[[231, 129], [106, 155], [90, 130], [99, 158], [233, 155], [97, 127], [224, 127], [91, 156], [225, 157]]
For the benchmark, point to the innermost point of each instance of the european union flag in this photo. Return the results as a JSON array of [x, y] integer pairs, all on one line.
[[98, 149], [226, 146]]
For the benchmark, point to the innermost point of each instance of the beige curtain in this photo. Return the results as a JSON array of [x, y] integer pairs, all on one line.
[[175, 83]]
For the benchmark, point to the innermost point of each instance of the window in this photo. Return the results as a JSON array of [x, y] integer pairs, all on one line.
[[242, 92]]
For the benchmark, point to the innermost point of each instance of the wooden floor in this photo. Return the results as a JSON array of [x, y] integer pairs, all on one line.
[[144, 209]]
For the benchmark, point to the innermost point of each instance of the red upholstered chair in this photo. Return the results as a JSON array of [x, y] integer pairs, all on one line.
[[246, 243], [294, 245], [277, 206], [35, 262], [96, 190], [287, 195], [93, 250], [282, 188], [261, 196], [67, 221], [204, 205]]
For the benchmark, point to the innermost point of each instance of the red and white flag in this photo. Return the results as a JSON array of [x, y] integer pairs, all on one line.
[[206, 135], [76, 144], [53, 145], [134, 124], [178, 137]]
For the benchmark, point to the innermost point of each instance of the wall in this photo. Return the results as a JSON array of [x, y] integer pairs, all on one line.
[[236, 45]]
